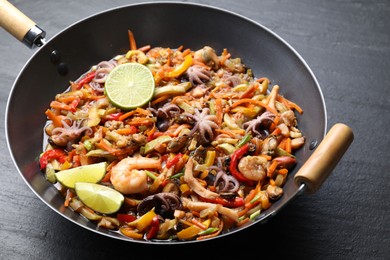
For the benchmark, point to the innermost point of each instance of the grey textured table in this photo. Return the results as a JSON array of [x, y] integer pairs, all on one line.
[[346, 44]]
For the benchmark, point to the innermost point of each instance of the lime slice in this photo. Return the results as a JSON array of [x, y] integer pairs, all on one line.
[[130, 85], [87, 173], [99, 197]]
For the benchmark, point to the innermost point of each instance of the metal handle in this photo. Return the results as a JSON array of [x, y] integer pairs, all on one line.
[[325, 158], [20, 26]]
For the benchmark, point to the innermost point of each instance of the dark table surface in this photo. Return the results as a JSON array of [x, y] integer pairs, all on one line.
[[347, 45]]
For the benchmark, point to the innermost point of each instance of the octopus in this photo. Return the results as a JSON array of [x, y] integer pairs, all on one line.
[[226, 184], [102, 71], [164, 114], [165, 203], [197, 74], [194, 183], [204, 123], [260, 125], [69, 134]]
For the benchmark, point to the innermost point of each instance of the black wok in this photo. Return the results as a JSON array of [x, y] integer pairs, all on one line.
[[100, 37]]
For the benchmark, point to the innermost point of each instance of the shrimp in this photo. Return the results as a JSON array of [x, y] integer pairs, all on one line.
[[128, 177], [253, 167]]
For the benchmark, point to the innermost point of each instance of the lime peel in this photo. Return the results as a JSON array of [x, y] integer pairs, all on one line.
[[86, 173], [98, 197], [130, 85]]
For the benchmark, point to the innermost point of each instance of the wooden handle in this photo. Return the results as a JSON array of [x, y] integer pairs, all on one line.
[[14, 21], [325, 158]]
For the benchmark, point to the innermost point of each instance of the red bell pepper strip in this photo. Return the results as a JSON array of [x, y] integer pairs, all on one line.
[[125, 217], [114, 116], [58, 154], [235, 158], [86, 79], [153, 229], [230, 203], [174, 160]]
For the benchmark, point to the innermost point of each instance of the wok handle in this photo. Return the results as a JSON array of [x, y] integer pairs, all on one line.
[[20, 26], [325, 158]]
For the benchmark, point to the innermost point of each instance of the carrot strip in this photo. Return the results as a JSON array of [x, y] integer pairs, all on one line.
[[283, 171], [186, 52], [126, 115], [267, 157], [67, 99], [242, 222], [133, 45], [289, 104], [54, 118], [276, 131], [248, 93], [107, 177], [227, 132], [272, 168], [198, 224], [288, 145], [145, 48], [69, 196], [159, 99], [282, 144], [127, 131], [256, 102], [218, 109], [103, 145]]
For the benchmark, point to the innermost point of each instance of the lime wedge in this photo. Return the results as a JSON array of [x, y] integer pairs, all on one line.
[[130, 85], [87, 173], [99, 197]]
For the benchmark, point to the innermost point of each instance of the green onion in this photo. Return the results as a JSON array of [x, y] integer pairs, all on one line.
[[244, 140], [151, 175], [177, 175], [208, 231], [87, 144], [254, 214]]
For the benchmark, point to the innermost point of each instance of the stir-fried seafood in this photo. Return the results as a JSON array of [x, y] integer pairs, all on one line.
[[205, 157]]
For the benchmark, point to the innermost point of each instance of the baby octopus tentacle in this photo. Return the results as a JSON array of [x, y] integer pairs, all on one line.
[[68, 134], [226, 184], [102, 70], [260, 125], [197, 73], [204, 123]]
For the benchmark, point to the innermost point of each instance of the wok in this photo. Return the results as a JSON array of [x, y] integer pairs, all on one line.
[[72, 51]]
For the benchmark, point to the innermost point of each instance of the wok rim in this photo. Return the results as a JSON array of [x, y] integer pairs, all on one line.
[[263, 217]]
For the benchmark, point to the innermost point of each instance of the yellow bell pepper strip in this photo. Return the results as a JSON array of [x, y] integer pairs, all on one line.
[[236, 156], [144, 221], [192, 231], [57, 154], [181, 68], [153, 230], [130, 232]]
